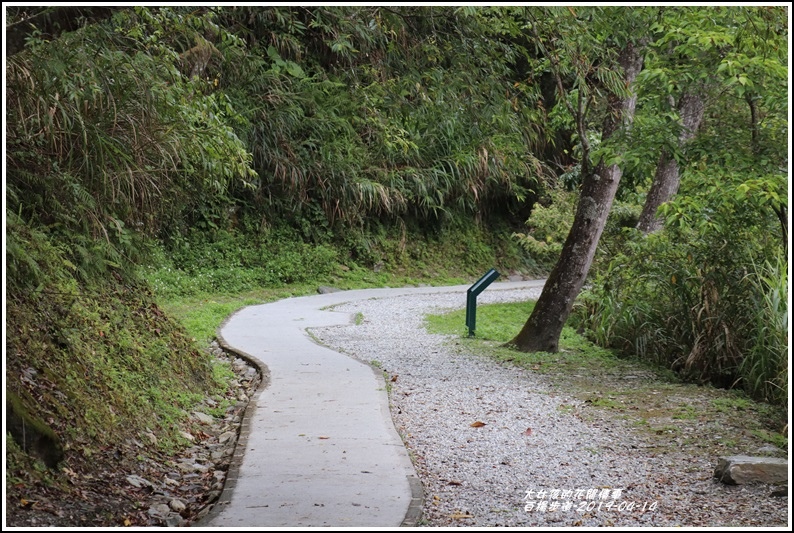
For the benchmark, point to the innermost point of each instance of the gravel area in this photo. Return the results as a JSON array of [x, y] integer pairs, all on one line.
[[498, 445]]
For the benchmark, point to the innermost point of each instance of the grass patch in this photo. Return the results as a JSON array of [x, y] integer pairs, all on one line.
[[777, 439], [732, 404], [499, 323]]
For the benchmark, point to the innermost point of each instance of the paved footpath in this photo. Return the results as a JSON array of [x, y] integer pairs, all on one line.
[[317, 447]]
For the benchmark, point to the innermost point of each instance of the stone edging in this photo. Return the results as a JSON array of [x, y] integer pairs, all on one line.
[[245, 427]]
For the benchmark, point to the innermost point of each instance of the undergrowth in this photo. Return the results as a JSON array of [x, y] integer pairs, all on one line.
[[97, 362]]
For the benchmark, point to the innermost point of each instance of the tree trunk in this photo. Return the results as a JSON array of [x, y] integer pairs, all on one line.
[[541, 333], [667, 178]]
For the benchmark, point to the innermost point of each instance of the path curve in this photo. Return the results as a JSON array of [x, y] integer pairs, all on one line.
[[317, 447]]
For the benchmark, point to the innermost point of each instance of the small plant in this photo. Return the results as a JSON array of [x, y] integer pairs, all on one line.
[[605, 402], [686, 412]]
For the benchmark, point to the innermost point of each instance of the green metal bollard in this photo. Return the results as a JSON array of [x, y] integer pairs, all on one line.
[[471, 298]]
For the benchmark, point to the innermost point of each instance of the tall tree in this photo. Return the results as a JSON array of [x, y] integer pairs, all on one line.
[[702, 54], [665, 183], [616, 73]]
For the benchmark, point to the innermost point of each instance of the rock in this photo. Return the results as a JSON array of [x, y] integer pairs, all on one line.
[[177, 505], [138, 481], [515, 277], [325, 289], [174, 520], [213, 495], [770, 450], [204, 418], [187, 436], [226, 437], [159, 509], [191, 467], [741, 469]]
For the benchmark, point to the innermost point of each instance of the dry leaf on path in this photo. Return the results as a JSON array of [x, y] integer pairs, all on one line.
[[477, 424]]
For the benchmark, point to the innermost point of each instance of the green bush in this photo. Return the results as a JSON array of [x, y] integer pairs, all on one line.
[[548, 226], [231, 262], [690, 297]]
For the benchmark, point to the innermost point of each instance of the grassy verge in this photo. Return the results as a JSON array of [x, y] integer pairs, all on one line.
[[675, 417], [202, 314]]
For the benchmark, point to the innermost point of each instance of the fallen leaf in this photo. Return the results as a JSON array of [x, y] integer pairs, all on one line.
[[477, 424], [394, 377], [26, 504], [456, 483], [458, 516], [127, 522], [323, 437], [528, 432]]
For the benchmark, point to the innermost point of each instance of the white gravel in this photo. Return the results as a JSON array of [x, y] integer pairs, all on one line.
[[480, 476]]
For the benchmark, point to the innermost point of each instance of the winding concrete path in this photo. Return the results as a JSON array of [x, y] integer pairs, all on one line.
[[317, 447]]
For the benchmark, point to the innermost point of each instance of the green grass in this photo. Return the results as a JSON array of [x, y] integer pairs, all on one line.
[[202, 314], [776, 439], [687, 412], [732, 404], [496, 322], [499, 323]]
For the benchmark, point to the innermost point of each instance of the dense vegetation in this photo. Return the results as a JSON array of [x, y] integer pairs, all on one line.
[[194, 151]]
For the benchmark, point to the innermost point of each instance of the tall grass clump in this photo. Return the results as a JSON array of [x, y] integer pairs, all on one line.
[[764, 368]]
